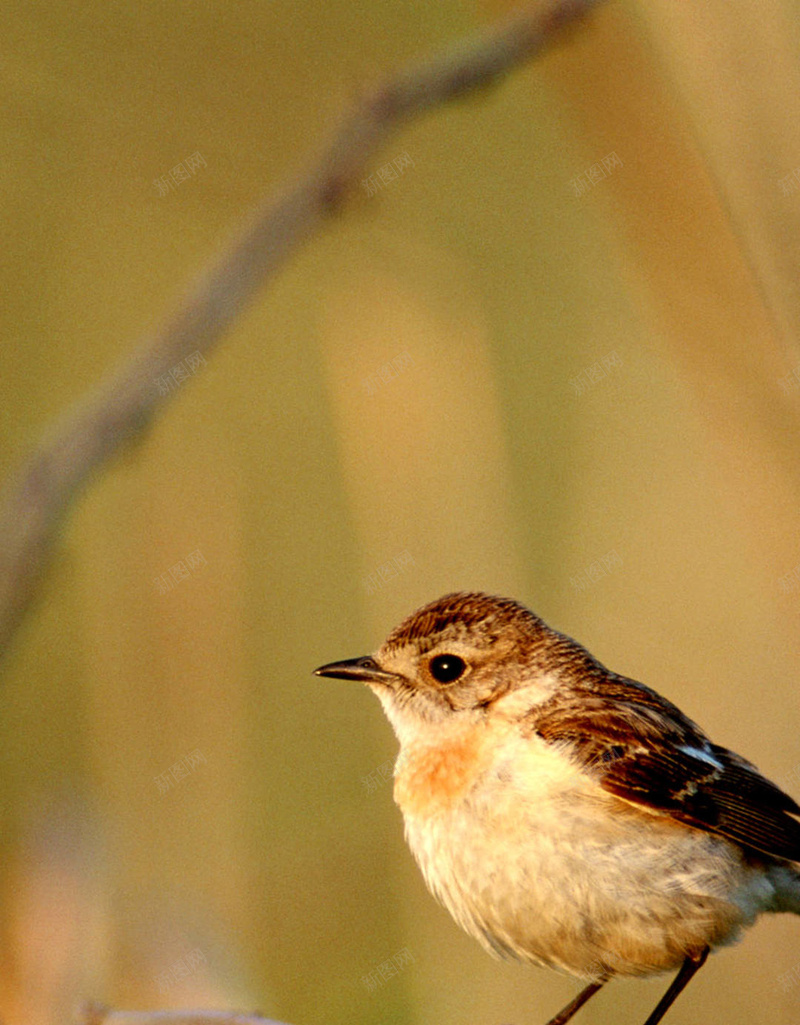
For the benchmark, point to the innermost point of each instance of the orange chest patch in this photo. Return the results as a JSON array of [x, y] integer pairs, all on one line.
[[433, 779]]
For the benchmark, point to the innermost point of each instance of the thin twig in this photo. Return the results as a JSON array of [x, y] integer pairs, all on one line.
[[95, 1014], [122, 406]]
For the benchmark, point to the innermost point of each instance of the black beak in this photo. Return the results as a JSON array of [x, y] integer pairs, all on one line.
[[363, 670]]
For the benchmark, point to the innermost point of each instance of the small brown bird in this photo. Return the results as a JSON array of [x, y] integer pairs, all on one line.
[[565, 815]]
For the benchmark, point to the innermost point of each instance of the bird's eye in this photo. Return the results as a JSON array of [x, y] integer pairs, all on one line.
[[447, 668]]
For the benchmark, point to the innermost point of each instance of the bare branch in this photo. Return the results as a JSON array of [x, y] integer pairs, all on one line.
[[95, 1014], [91, 433]]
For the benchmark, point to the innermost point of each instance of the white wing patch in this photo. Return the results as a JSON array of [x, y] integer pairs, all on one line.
[[701, 755]]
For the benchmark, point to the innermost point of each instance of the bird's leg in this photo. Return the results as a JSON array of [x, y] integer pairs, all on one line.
[[688, 968], [567, 1012]]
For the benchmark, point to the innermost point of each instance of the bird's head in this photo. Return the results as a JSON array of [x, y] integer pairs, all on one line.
[[461, 657]]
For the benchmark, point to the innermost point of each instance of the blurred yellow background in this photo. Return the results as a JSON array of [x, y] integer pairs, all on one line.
[[550, 351]]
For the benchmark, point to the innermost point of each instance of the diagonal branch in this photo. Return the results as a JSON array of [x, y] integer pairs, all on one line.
[[92, 432]]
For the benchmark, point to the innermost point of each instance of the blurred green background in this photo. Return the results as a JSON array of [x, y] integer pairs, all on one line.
[[499, 370]]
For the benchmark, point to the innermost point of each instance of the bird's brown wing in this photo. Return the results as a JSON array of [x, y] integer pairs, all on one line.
[[644, 750]]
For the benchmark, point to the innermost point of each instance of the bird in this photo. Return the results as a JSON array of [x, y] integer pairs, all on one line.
[[565, 815]]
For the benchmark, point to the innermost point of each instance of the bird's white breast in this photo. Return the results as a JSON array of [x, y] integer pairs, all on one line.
[[536, 861]]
